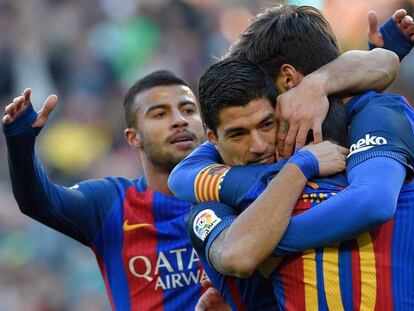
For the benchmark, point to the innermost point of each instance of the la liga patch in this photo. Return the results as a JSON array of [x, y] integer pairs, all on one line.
[[204, 222]]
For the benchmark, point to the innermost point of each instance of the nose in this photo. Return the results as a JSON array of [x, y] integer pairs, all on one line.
[[257, 144], [179, 120]]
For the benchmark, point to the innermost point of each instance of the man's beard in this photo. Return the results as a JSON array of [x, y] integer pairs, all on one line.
[[163, 160]]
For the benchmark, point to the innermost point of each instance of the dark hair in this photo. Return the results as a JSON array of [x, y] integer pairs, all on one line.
[[156, 78], [231, 83], [287, 34], [335, 125]]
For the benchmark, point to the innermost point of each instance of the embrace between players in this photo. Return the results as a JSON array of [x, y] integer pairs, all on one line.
[[349, 242]]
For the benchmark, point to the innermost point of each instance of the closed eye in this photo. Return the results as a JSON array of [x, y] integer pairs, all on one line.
[[266, 126]]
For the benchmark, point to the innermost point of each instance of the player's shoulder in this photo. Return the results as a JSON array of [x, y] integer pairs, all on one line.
[[388, 99], [372, 99]]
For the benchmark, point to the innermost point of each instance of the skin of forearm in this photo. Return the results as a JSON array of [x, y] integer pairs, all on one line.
[[255, 233], [356, 71]]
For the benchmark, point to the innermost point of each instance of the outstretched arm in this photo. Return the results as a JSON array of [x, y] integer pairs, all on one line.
[[73, 211], [368, 201]]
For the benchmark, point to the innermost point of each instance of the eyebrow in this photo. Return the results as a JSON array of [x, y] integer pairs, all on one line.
[[186, 102], [232, 131], [159, 106], [269, 117], [166, 106]]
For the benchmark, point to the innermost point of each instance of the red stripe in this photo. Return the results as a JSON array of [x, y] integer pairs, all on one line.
[[210, 181], [301, 206], [382, 240], [356, 275], [291, 273], [202, 274], [139, 248], [197, 186], [235, 293], [202, 186], [105, 277], [408, 102]]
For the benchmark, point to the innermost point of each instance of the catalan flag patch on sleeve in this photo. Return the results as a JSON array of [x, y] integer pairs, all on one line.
[[208, 181]]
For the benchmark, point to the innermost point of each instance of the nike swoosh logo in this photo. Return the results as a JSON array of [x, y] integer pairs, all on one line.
[[128, 227]]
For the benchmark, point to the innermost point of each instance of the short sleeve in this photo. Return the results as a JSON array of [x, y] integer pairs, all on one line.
[[382, 127], [206, 221]]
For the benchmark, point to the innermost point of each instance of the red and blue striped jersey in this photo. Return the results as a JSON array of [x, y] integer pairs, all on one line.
[[371, 272], [144, 253], [138, 234]]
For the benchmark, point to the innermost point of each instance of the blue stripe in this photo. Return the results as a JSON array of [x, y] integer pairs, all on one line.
[[323, 305], [403, 253], [109, 244], [278, 289], [345, 275]]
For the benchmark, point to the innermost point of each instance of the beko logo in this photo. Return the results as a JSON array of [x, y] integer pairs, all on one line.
[[366, 143]]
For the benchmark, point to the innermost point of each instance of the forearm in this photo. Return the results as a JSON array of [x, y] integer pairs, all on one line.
[[368, 201], [66, 210], [27, 177], [253, 235], [354, 72], [35, 195], [202, 177]]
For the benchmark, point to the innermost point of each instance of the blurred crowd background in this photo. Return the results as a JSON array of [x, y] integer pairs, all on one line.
[[89, 52]]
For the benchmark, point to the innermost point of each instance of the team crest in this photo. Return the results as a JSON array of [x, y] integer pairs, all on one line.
[[204, 222], [218, 170]]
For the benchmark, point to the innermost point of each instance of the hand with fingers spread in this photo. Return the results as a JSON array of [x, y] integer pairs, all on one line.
[[299, 110], [20, 104], [211, 299], [400, 17], [331, 157]]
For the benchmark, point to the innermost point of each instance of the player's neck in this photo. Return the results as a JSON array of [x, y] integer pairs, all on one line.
[[156, 179]]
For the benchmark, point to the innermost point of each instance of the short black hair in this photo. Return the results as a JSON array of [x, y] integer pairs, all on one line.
[[288, 34], [230, 83], [156, 78], [335, 125]]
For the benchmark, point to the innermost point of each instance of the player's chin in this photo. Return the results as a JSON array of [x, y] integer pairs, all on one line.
[[181, 151]]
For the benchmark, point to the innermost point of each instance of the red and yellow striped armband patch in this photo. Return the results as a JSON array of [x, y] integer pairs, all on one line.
[[208, 181]]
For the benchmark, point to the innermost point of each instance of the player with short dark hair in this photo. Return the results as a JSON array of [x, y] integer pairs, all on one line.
[[222, 98], [135, 227], [154, 79], [275, 38], [245, 134]]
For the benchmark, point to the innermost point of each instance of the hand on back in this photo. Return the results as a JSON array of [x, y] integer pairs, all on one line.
[[331, 157]]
